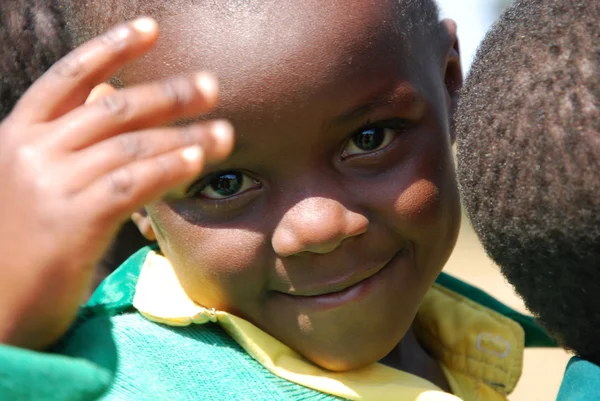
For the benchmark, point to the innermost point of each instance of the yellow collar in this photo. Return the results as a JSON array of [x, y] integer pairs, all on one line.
[[479, 350]]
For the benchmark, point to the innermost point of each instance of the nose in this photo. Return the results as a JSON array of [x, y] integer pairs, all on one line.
[[316, 225]]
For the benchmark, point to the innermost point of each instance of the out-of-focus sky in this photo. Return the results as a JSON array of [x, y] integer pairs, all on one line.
[[474, 18]]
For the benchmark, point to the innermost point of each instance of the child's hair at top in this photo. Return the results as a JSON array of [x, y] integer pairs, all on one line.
[[33, 37], [528, 135], [88, 19]]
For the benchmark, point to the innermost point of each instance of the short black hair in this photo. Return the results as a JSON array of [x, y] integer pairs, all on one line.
[[528, 138], [90, 18], [415, 15]]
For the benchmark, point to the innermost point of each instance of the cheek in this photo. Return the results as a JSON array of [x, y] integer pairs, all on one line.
[[419, 203], [423, 206], [422, 189], [221, 268]]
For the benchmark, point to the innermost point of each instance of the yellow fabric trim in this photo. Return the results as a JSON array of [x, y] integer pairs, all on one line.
[[375, 382], [160, 298], [481, 350], [455, 386]]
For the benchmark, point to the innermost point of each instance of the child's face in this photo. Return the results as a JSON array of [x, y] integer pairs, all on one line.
[[338, 207]]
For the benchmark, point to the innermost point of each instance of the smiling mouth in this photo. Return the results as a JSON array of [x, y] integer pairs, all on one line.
[[340, 290], [344, 284]]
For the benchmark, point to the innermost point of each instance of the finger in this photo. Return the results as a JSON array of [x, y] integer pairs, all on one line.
[[215, 138], [125, 190], [100, 91], [140, 107], [68, 83]]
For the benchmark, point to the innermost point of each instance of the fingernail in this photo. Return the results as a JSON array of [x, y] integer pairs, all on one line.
[[207, 84], [223, 132], [191, 154], [144, 25]]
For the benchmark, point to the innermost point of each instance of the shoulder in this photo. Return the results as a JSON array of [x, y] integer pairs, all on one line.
[[152, 360], [115, 294], [581, 381], [110, 333]]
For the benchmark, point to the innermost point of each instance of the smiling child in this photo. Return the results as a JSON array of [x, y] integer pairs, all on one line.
[[314, 241]]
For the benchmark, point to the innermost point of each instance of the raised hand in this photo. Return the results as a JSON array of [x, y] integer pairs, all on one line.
[[73, 172]]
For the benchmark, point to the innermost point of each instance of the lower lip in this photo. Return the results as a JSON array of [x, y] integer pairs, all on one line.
[[354, 293]]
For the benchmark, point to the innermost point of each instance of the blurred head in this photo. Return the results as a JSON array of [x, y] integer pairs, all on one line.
[[528, 130], [338, 206], [32, 38]]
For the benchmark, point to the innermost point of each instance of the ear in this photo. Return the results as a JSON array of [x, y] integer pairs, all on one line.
[[100, 91], [453, 77], [142, 221]]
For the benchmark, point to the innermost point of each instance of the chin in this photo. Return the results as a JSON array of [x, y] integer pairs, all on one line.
[[357, 332], [355, 352], [350, 360]]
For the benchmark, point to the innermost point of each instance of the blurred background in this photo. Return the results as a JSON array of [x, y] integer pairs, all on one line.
[[543, 368], [474, 18]]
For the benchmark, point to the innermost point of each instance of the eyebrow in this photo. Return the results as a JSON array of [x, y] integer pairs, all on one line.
[[402, 93]]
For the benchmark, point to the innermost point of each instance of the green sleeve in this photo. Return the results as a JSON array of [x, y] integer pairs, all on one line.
[[581, 381], [29, 375], [79, 367]]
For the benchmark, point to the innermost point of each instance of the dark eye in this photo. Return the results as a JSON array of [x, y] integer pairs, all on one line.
[[368, 140], [223, 185]]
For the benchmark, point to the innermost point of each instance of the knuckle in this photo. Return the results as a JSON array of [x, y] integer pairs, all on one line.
[[45, 185], [163, 168], [178, 92], [121, 182], [27, 156], [115, 105], [33, 169], [69, 66], [132, 146], [166, 169], [187, 135]]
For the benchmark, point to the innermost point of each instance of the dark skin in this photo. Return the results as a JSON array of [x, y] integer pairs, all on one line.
[[338, 206], [72, 173], [313, 207]]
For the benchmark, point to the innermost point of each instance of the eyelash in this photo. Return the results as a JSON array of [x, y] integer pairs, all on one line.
[[247, 183], [393, 127], [390, 127]]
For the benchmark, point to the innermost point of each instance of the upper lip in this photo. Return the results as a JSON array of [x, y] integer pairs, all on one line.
[[337, 284]]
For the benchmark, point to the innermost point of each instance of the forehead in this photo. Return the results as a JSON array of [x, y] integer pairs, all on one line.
[[267, 50]]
